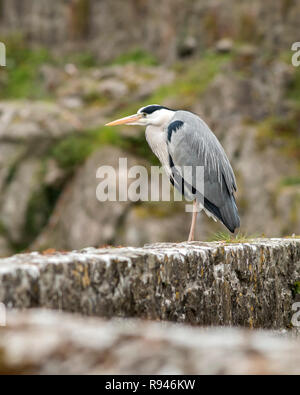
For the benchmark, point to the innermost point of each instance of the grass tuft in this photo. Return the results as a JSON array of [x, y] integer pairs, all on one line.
[[227, 237]]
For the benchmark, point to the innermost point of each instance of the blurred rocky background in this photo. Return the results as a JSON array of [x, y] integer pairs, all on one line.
[[59, 343], [72, 65]]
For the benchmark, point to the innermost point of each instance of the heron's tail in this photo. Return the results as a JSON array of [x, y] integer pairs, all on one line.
[[229, 214]]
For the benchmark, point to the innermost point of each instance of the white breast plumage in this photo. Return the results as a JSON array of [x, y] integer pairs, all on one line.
[[156, 138]]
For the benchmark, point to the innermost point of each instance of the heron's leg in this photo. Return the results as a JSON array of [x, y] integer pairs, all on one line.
[[193, 225]]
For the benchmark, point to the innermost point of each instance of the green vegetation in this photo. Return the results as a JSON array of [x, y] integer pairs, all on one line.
[[39, 209], [294, 90], [21, 78], [73, 150], [227, 237], [84, 59], [296, 288], [290, 181], [283, 133], [192, 79], [137, 56]]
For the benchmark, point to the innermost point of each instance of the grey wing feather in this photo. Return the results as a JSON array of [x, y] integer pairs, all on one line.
[[194, 144]]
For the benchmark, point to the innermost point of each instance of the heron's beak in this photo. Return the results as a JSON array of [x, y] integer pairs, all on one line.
[[128, 120]]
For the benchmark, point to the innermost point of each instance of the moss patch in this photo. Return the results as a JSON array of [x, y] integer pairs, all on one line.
[[296, 288], [73, 150]]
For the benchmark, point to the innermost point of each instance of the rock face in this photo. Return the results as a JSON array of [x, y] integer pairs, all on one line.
[[27, 131], [46, 342], [79, 209], [32, 177], [249, 284], [169, 29]]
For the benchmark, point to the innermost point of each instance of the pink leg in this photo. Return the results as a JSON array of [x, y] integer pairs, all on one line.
[[193, 225]]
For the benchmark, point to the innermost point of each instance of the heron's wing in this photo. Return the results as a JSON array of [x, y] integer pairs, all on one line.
[[190, 144]]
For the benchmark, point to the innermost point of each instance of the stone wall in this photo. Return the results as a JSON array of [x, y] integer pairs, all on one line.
[[59, 343], [247, 284]]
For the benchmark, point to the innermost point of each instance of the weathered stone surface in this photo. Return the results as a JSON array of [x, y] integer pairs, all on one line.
[[16, 197], [47, 342], [111, 84], [35, 122], [27, 131], [248, 284]]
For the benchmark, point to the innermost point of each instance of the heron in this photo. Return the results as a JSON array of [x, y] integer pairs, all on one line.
[[181, 139]]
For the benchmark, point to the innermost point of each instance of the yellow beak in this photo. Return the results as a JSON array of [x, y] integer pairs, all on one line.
[[122, 121]]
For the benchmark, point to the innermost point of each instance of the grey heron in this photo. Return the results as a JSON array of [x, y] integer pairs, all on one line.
[[182, 139]]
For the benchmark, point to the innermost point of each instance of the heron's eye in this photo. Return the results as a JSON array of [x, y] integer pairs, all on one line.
[[144, 114]]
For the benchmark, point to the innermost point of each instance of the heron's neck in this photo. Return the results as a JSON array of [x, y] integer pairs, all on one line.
[[156, 138], [155, 134]]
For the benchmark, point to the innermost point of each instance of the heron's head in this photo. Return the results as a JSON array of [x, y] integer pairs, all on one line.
[[153, 114]]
